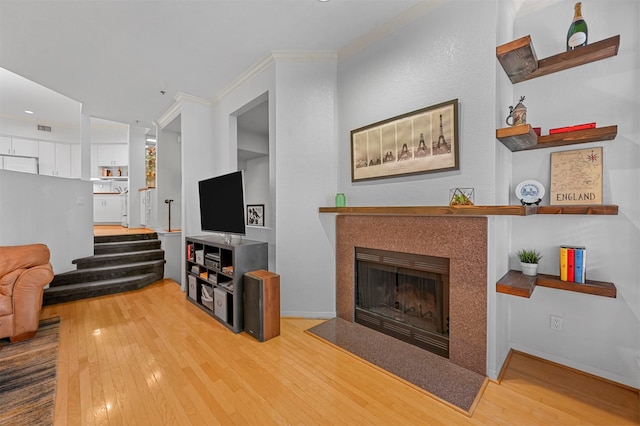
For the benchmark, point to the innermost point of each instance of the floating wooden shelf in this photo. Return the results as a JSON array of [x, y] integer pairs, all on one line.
[[597, 288], [517, 284], [519, 61], [523, 138], [473, 210]]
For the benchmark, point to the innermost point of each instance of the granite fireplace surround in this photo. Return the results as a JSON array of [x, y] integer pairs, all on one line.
[[461, 239]]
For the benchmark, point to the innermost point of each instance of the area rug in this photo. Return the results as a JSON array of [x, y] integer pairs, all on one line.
[[456, 386], [28, 377]]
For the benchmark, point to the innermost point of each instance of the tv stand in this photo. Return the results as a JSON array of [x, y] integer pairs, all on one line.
[[215, 268]]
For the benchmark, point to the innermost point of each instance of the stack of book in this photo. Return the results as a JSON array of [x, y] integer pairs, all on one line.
[[573, 264]]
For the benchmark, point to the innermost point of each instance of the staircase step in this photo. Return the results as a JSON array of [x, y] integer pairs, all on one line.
[[120, 263], [113, 259], [125, 237], [85, 290], [108, 272], [126, 246]]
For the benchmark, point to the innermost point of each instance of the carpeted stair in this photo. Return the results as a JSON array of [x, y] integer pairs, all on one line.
[[120, 263]]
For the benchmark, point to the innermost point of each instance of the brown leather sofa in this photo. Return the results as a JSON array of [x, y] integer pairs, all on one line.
[[24, 272]]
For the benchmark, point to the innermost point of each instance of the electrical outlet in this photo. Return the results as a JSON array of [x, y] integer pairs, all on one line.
[[556, 323]]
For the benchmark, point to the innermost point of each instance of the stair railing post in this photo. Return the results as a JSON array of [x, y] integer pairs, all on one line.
[[169, 203]]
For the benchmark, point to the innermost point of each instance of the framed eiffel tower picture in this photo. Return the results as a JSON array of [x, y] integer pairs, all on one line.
[[422, 141]]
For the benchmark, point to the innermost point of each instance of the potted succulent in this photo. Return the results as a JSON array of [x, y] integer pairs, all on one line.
[[461, 197], [529, 260]]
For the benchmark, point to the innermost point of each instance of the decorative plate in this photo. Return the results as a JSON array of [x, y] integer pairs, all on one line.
[[530, 191]]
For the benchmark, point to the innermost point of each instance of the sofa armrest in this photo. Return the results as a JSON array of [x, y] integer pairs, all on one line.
[[27, 297], [22, 257]]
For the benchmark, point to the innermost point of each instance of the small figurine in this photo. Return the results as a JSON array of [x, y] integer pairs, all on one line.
[[518, 115]]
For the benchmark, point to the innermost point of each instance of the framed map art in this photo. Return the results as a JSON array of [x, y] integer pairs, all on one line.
[[576, 177]]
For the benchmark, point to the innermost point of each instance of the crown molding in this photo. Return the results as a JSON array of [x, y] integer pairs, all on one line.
[[249, 74], [269, 59], [302, 56], [176, 108], [181, 97]]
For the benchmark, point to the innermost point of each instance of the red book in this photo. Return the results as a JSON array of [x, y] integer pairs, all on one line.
[[570, 264], [572, 128]]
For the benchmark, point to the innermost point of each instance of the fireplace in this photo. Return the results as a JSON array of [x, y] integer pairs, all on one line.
[[461, 240], [405, 296]]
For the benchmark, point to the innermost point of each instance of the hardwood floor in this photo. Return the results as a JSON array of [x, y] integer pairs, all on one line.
[[100, 230], [149, 357]]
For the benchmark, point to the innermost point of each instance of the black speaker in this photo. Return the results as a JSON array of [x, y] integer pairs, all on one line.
[[261, 295]]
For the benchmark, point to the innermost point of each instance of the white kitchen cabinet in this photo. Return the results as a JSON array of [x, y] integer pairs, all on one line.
[[19, 164], [55, 159], [107, 208], [113, 155], [17, 146], [5, 145]]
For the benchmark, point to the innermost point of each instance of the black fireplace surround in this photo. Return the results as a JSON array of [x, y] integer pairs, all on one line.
[[405, 296]]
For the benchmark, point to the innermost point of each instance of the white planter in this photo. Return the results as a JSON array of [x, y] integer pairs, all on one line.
[[530, 269]]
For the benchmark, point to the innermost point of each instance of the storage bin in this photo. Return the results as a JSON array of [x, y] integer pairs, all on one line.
[[193, 288], [200, 257], [220, 306], [207, 297]]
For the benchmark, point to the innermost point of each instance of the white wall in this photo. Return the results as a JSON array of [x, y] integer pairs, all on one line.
[[601, 335], [448, 53], [198, 163], [43, 209], [302, 95], [168, 180], [137, 173], [306, 96], [498, 344]]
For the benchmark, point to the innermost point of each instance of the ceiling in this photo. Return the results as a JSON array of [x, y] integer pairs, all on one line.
[[125, 61]]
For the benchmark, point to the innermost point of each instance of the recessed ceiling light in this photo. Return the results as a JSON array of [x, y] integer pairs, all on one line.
[[26, 111]]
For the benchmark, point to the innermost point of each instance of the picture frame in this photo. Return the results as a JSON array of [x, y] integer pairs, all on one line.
[[421, 141], [576, 177], [255, 214]]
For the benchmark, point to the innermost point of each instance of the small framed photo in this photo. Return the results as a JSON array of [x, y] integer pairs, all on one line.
[[255, 214]]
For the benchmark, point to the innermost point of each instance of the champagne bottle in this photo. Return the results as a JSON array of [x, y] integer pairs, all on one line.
[[578, 32]]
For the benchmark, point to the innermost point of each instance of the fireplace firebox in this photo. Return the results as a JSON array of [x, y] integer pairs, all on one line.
[[405, 296]]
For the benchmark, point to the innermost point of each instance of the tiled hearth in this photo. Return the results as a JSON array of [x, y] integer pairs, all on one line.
[[461, 239]]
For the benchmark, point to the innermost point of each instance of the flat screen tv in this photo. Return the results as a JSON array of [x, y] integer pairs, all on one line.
[[222, 206]]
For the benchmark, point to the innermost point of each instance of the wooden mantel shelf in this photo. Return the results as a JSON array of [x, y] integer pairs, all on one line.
[[473, 210], [517, 284]]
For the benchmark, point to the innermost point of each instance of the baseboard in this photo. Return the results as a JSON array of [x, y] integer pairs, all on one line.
[[585, 370], [307, 315]]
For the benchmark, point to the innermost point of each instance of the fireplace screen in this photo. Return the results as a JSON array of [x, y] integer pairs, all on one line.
[[405, 296]]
